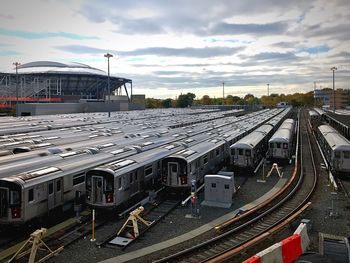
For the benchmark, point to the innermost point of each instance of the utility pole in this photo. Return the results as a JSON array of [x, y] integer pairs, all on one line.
[[268, 89], [223, 93], [16, 64], [333, 69], [109, 88]]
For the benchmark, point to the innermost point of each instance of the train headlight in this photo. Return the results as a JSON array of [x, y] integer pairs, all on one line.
[[109, 198]]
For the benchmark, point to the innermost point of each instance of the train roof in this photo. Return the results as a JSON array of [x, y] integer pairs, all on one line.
[[281, 135], [313, 113], [335, 140], [252, 139]]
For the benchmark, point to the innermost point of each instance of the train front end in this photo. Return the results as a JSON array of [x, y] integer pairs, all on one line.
[[174, 173], [100, 188], [11, 210]]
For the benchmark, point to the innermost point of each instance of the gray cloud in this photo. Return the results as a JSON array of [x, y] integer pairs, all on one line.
[[273, 56], [80, 49], [255, 29], [196, 16], [340, 32], [184, 52], [157, 51], [285, 44], [9, 17]]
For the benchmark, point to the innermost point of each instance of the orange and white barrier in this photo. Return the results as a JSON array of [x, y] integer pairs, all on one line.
[[286, 251]]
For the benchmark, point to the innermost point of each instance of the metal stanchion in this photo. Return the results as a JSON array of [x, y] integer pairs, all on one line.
[[93, 227]]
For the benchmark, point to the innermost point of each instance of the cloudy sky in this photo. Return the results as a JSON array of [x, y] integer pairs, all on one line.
[[168, 47]]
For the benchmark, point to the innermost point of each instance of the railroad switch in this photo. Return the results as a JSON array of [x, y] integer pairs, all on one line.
[[37, 243], [134, 218]]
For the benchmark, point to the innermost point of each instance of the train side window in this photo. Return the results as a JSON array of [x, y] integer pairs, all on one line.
[[205, 159], [58, 186], [31, 195], [227, 186], [50, 188], [148, 170], [271, 144], [240, 151], [278, 144], [131, 178], [285, 145], [211, 154], [248, 153], [337, 154], [346, 155], [232, 151], [213, 185], [14, 198], [217, 151], [135, 176], [78, 179]]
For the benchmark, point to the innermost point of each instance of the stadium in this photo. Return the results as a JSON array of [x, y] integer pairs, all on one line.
[[48, 81]]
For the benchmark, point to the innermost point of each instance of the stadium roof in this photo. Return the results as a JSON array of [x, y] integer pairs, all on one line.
[[63, 79], [58, 67]]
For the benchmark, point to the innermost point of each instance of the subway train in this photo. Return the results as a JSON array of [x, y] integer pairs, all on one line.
[[117, 182], [32, 188], [247, 153], [35, 192], [281, 142], [336, 149]]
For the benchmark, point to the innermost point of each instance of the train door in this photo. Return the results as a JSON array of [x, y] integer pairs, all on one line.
[[97, 189], [3, 202], [172, 173], [58, 191], [51, 196]]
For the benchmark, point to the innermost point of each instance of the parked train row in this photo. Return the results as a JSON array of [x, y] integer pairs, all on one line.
[[336, 149], [114, 183], [281, 143], [248, 152], [46, 185], [169, 117]]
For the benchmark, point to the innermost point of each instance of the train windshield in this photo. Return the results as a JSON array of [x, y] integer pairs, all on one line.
[[98, 183]]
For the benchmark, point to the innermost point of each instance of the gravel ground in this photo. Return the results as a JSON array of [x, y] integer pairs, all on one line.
[[173, 225]]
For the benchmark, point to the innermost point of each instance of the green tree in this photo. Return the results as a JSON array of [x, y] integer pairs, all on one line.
[[153, 103], [185, 100], [206, 100], [167, 103]]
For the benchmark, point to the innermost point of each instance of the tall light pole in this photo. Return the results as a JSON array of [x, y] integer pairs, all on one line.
[[268, 89], [109, 88], [333, 69], [314, 93], [16, 64]]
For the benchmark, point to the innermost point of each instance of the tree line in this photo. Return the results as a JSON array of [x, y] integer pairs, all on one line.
[[189, 99]]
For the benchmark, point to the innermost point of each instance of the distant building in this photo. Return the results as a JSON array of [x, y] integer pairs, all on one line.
[[49, 81], [48, 87], [325, 98]]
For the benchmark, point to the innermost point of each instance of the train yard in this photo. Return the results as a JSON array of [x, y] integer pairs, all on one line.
[[109, 164]]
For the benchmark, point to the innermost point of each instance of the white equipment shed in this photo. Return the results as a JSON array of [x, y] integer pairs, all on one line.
[[219, 189]]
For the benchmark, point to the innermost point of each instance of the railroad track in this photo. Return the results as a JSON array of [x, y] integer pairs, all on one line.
[[154, 212], [247, 230]]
